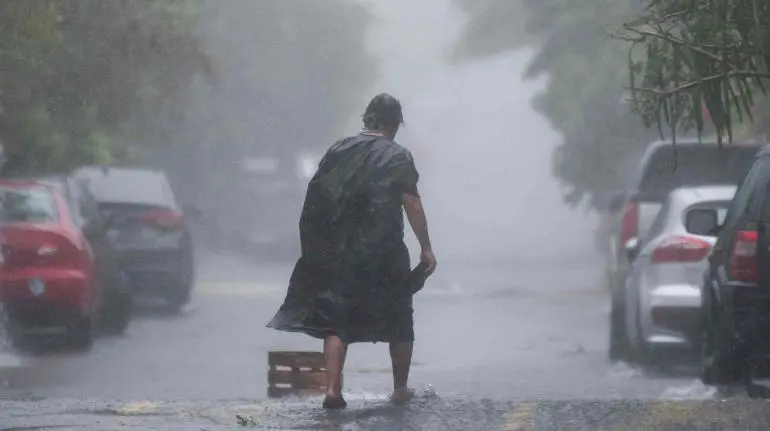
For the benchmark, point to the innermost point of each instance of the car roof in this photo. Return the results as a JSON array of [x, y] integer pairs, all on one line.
[[764, 151], [710, 141], [146, 186], [691, 195], [21, 183]]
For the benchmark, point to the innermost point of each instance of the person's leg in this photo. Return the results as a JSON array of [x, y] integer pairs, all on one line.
[[334, 353], [401, 358]]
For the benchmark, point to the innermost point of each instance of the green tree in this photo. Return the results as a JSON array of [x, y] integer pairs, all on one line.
[[76, 71], [700, 56]]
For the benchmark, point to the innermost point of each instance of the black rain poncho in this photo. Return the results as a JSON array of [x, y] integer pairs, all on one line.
[[350, 279]]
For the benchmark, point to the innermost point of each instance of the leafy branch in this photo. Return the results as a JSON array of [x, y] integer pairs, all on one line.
[[704, 61]]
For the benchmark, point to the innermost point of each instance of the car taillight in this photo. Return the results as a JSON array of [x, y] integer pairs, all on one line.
[[55, 254], [167, 219], [681, 249], [743, 262], [630, 224]]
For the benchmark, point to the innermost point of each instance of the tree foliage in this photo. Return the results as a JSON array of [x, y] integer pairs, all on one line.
[[584, 97], [695, 57], [495, 26], [75, 71]]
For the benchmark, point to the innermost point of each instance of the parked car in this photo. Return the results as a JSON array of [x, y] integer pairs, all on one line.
[[269, 193], [736, 288], [663, 168], [663, 287], [117, 301], [148, 228], [57, 273]]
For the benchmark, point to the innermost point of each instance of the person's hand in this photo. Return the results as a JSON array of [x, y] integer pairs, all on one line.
[[427, 257]]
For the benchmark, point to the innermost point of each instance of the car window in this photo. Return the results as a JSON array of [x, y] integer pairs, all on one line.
[[669, 168], [87, 205], [132, 186], [74, 206], [743, 196], [658, 225], [702, 223], [32, 205], [765, 212]]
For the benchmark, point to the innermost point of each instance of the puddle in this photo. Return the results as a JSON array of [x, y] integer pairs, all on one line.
[[623, 370], [694, 391]]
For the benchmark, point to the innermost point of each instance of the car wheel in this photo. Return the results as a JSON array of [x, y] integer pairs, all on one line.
[[178, 296], [117, 313], [642, 353], [82, 334], [718, 366], [619, 348], [118, 306], [12, 333]]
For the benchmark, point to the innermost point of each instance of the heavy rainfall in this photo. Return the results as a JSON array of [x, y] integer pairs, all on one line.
[[591, 172]]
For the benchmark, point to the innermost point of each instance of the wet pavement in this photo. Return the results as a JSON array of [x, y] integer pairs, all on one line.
[[494, 351]]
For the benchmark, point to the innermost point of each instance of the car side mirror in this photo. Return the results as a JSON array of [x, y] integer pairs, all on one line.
[[702, 221], [631, 248]]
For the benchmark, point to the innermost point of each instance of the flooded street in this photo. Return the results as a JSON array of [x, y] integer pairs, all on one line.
[[512, 330], [492, 340]]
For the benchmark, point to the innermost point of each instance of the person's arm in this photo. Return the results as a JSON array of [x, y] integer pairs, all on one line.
[[419, 222], [417, 219], [407, 186]]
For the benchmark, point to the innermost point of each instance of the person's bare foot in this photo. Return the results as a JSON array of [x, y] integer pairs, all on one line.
[[401, 395], [334, 403]]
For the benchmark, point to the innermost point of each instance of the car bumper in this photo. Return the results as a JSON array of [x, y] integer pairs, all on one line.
[[745, 313], [49, 298], [672, 315], [746, 309], [152, 270]]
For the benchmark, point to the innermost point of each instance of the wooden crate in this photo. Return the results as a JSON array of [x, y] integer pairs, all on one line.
[[294, 373]]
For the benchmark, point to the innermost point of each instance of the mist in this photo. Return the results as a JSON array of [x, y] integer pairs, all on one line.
[[484, 154]]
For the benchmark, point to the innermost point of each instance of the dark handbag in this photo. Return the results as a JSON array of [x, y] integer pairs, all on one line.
[[417, 277]]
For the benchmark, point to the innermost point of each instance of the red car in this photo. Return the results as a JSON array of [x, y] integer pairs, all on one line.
[[48, 275]]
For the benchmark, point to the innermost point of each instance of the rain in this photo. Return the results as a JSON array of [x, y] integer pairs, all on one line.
[[197, 126]]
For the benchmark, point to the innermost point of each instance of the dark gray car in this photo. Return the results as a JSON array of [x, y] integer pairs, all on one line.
[[148, 228]]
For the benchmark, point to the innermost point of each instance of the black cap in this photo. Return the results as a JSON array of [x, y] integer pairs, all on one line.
[[384, 110]]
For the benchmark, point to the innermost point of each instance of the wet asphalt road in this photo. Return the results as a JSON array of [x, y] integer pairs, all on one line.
[[500, 345]]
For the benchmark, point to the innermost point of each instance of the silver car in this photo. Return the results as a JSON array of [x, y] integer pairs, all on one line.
[[663, 287]]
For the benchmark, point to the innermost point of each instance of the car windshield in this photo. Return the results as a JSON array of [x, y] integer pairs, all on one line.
[[27, 205], [694, 165], [141, 187]]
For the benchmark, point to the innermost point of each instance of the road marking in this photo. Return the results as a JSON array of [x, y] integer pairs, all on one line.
[[522, 418], [138, 408], [229, 288]]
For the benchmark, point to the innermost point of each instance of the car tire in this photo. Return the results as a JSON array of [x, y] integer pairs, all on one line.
[[178, 296], [117, 313], [14, 334], [81, 334], [641, 352], [118, 306], [718, 361], [619, 347]]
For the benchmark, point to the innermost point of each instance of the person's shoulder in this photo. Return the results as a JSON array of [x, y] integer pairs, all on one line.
[[342, 143], [396, 149]]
